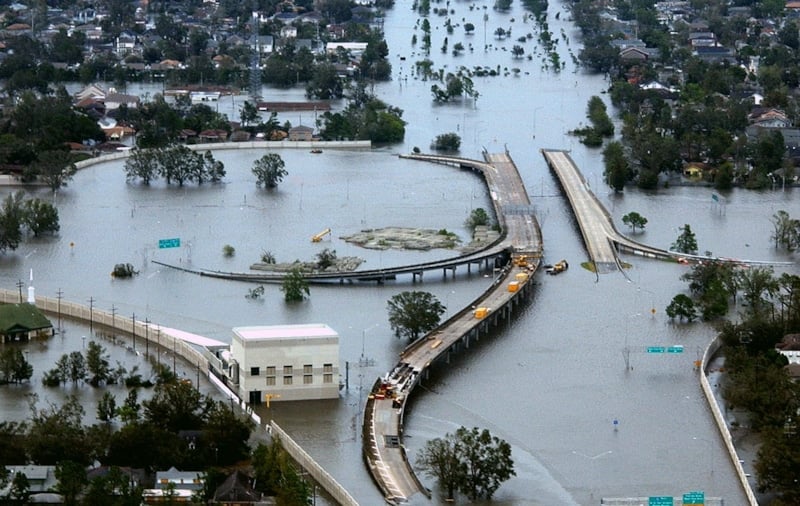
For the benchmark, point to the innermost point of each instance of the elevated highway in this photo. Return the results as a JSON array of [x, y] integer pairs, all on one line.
[[383, 414], [602, 239]]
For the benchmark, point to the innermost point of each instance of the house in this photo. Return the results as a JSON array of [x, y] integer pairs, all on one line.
[[113, 100], [93, 91], [23, 321], [693, 170], [236, 490], [284, 362], [213, 136], [789, 347], [301, 133], [40, 478]]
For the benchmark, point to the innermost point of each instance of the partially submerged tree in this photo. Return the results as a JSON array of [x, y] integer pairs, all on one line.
[[682, 307], [634, 220], [686, 241], [472, 461], [269, 170], [414, 313], [294, 286]]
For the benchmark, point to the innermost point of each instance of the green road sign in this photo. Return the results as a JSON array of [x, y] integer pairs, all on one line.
[[169, 243], [675, 349], [656, 349], [694, 497], [660, 501]]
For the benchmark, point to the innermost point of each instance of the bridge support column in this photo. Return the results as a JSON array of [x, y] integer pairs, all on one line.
[[414, 276]]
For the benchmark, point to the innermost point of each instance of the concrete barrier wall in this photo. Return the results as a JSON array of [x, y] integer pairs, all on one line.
[[325, 480], [722, 425], [216, 146]]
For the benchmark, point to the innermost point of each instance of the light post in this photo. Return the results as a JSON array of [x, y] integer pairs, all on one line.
[[364, 361], [592, 459]]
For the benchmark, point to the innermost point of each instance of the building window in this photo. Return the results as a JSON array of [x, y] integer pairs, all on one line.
[[287, 370], [270, 370], [327, 368], [308, 379], [327, 378], [270, 381], [308, 369], [255, 371], [287, 380]]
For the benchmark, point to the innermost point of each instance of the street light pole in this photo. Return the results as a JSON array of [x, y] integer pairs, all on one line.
[[592, 459]]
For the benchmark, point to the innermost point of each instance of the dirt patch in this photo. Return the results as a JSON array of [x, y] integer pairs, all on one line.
[[403, 238]]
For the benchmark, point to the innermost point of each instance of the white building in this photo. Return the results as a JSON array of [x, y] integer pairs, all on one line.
[[285, 362]]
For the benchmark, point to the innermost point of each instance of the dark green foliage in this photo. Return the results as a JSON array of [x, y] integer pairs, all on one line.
[[295, 286], [634, 220], [41, 217], [447, 142], [472, 461], [174, 163], [686, 241], [277, 475], [478, 217], [682, 307], [326, 258], [269, 170], [364, 118], [414, 313], [57, 434], [71, 478], [97, 364], [14, 368]]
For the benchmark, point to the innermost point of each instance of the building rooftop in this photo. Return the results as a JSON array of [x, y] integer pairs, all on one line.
[[277, 332]]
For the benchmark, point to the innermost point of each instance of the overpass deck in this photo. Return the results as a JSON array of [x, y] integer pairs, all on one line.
[[383, 414]]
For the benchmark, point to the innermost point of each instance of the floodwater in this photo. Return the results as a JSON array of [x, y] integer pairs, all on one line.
[[551, 382]]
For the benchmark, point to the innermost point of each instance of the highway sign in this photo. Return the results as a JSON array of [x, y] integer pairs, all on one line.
[[675, 349], [169, 243], [656, 349], [694, 497], [660, 501]]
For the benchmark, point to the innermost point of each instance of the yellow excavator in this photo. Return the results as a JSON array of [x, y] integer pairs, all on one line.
[[318, 237]]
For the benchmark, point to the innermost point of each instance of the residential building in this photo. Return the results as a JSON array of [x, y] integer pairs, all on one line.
[[285, 362]]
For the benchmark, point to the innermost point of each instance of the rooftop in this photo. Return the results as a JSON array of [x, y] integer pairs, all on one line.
[[277, 332]]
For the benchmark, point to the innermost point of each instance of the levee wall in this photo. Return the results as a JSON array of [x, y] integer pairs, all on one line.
[[722, 425], [316, 471]]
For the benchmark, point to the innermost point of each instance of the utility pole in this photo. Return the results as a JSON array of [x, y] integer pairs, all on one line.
[[133, 330], [113, 316], [91, 315], [20, 284], [59, 296], [147, 338]]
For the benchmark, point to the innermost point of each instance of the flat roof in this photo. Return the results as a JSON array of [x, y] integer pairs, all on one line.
[[278, 332]]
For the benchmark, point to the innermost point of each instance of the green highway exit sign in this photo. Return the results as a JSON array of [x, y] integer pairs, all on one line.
[[660, 501], [169, 243]]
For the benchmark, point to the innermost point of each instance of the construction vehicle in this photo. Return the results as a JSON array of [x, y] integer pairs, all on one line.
[[557, 268], [318, 237]]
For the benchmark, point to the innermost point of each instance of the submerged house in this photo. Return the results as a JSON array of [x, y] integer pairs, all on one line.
[[23, 321]]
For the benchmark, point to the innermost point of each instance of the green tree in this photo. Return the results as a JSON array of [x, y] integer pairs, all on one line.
[[472, 460], [294, 286], [450, 141], [326, 258], [414, 313], [11, 220], [228, 432], [141, 164], [269, 170], [20, 489], [785, 230], [12, 443], [249, 113], [54, 168], [40, 217], [57, 434], [97, 364], [617, 169], [106, 407], [682, 306], [777, 461], [634, 220], [177, 406], [686, 241], [13, 366], [72, 479], [440, 459], [478, 218]]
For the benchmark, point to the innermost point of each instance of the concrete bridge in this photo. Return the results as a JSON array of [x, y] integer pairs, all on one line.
[[383, 413], [601, 237]]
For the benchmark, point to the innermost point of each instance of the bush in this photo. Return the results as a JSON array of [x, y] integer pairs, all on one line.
[[228, 251], [447, 142]]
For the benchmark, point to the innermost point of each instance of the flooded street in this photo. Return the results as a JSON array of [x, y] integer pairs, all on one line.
[[551, 382]]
